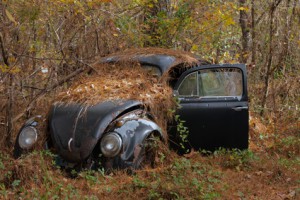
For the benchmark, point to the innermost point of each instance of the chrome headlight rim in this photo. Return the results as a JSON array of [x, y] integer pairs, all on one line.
[[27, 137], [111, 144]]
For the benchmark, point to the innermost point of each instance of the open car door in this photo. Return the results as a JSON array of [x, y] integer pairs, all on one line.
[[214, 106]]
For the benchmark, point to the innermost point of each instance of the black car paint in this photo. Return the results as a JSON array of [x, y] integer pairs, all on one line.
[[163, 62], [214, 122], [75, 130]]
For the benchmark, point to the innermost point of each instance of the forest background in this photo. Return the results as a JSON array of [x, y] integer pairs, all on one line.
[[45, 44]]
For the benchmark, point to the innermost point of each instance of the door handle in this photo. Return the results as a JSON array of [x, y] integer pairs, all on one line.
[[239, 108]]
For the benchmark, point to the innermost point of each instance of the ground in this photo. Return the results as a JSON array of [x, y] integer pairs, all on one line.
[[268, 170]]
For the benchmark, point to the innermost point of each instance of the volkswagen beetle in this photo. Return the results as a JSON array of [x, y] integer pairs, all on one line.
[[116, 133]]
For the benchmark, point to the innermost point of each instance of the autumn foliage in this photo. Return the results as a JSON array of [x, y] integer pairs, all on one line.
[[47, 46]]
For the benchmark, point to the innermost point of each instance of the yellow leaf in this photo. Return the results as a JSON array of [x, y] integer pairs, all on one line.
[[10, 17], [150, 5], [3, 68], [115, 34], [11, 59], [194, 47], [244, 8], [188, 40], [229, 21], [15, 70]]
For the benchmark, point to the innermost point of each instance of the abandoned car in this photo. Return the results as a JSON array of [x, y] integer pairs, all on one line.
[[111, 118]]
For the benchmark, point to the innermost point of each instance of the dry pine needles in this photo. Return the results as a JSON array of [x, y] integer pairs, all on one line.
[[122, 81]]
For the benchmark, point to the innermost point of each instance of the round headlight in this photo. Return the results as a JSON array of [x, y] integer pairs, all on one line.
[[27, 137], [111, 144]]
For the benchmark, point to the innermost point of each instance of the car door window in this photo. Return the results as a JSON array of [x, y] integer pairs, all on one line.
[[188, 86], [220, 82]]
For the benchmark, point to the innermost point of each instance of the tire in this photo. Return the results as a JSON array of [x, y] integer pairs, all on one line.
[[148, 153]]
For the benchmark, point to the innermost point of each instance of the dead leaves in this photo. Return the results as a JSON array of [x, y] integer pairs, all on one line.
[[122, 81]]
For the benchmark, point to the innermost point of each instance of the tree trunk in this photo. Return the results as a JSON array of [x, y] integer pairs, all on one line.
[[9, 92], [286, 35], [245, 32], [253, 34], [270, 55]]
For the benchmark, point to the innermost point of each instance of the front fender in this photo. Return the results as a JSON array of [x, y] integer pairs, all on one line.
[[134, 132], [75, 129]]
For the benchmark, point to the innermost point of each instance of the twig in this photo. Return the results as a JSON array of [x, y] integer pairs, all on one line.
[[31, 87], [90, 66], [45, 91]]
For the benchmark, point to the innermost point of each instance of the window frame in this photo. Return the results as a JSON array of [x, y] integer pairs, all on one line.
[[241, 67]]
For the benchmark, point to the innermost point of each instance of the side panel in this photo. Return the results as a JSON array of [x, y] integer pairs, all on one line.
[[215, 124]]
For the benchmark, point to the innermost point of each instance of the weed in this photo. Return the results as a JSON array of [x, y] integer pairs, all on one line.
[[1, 165], [235, 158], [15, 183], [211, 195], [183, 133], [154, 194], [290, 163], [161, 156], [182, 164], [138, 182], [89, 175], [288, 146], [3, 191]]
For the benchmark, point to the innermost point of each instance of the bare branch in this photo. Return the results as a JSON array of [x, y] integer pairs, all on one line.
[[45, 91]]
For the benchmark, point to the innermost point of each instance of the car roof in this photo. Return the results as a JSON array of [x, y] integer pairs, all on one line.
[[164, 59]]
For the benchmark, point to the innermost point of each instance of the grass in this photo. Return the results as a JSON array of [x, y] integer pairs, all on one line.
[[166, 182], [270, 169]]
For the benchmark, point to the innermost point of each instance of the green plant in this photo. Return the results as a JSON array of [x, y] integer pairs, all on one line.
[[90, 176], [181, 130], [235, 158], [15, 183], [138, 182], [3, 191]]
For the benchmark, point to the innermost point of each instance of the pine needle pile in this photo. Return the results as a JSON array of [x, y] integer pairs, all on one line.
[[122, 81]]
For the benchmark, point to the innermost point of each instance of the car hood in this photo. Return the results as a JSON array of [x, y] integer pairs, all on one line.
[[75, 129]]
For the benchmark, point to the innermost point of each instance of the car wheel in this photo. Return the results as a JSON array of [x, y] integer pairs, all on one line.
[[148, 153]]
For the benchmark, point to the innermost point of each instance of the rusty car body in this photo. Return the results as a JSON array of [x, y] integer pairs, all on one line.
[[116, 133]]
